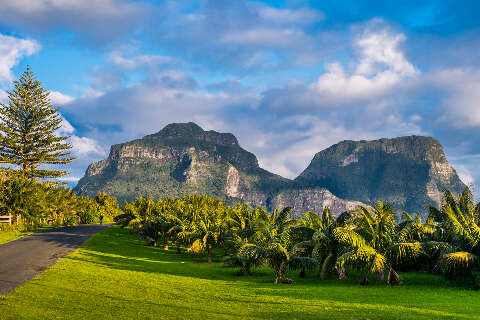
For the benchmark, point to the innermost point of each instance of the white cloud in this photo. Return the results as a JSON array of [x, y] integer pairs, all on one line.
[[265, 36], [461, 105], [83, 146], [465, 175], [90, 93], [66, 128], [60, 99], [69, 179], [288, 16], [95, 18], [104, 8], [379, 51], [415, 117], [139, 60], [11, 51], [380, 67]]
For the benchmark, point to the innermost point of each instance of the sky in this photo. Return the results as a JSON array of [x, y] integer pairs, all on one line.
[[288, 78]]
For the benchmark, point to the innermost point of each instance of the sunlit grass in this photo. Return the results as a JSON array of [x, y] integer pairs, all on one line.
[[9, 235], [115, 276]]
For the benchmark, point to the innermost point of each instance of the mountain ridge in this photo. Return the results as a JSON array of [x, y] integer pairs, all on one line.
[[182, 158], [409, 171]]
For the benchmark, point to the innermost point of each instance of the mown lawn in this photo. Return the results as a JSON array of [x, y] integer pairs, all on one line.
[[115, 276], [9, 235]]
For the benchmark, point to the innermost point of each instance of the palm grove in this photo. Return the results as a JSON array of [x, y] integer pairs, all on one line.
[[30, 147], [364, 242]]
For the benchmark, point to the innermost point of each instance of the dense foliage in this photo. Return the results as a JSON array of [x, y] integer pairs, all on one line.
[[33, 203], [369, 240]]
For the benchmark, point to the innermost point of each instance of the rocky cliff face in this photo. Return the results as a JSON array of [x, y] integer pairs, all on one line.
[[312, 199], [184, 159], [408, 172]]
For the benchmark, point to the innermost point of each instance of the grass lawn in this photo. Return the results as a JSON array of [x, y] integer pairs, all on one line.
[[115, 276], [9, 235], [12, 234]]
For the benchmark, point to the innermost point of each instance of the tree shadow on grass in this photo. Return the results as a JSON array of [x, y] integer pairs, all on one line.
[[119, 249]]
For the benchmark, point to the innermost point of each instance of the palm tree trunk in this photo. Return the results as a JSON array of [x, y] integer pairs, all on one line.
[[165, 242], [393, 278], [277, 277], [178, 248], [210, 252], [365, 278], [342, 273], [302, 273], [279, 273], [247, 270], [325, 264], [381, 275]]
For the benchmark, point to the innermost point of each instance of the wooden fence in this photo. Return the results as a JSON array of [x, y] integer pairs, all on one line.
[[6, 219]]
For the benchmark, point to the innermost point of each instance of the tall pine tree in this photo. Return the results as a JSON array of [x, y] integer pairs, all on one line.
[[28, 126]]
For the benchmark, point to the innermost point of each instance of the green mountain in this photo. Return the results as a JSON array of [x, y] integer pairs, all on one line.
[[184, 159], [408, 172]]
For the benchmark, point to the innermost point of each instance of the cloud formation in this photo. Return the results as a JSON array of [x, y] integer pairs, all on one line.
[[288, 80], [13, 49], [94, 19]]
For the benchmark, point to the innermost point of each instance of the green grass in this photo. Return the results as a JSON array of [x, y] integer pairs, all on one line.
[[115, 276], [9, 235]]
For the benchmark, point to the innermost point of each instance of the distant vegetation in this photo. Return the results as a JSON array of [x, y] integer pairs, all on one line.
[[33, 203], [372, 240]]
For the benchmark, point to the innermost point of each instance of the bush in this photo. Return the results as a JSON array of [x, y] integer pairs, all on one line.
[[124, 219], [88, 217], [70, 220]]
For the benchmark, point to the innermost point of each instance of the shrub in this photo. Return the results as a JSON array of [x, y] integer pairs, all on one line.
[[70, 220], [124, 219], [88, 217]]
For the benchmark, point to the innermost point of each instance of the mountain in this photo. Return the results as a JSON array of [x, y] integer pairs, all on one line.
[[182, 158], [408, 172]]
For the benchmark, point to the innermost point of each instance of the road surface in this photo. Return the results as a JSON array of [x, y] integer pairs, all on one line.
[[23, 259]]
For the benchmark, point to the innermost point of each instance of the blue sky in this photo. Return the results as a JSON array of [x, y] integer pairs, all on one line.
[[288, 78]]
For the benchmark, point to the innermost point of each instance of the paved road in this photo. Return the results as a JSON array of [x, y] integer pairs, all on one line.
[[23, 259]]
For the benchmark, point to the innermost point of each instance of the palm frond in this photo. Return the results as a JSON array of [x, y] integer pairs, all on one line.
[[405, 251], [305, 263], [348, 236], [459, 262]]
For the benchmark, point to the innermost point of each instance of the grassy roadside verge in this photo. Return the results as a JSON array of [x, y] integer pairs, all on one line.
[[115, 276], [8, 235]]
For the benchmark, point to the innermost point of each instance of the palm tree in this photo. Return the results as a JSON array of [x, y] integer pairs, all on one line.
[[326, 247], [182, 222], [458, 233], [370, 240], [274, 242], [208, 226], [239, 236]]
